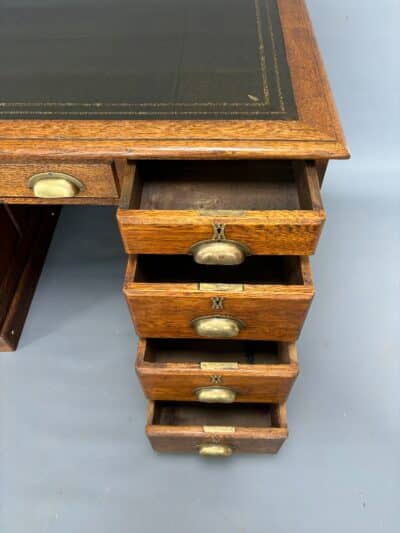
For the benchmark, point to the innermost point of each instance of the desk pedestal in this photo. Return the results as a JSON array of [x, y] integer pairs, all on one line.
[[25, 236]]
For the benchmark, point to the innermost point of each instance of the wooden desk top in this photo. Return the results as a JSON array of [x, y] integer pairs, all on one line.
[[163, 78]]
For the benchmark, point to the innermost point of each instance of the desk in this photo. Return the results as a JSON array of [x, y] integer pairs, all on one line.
[[210, 124]]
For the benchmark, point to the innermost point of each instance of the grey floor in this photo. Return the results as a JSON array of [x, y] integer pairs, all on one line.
[[74, 457]]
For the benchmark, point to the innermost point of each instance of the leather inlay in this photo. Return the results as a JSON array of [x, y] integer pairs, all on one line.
[[144, 59]]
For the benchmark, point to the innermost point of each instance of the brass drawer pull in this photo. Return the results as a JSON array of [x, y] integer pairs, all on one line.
[[215, 450], [216, 395], [54, 185], [226, 253], [217, 326]]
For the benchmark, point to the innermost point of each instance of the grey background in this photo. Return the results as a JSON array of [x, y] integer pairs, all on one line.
[[74, 455]]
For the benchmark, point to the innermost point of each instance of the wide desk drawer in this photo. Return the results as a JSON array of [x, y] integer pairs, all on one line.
[[265, 298], [216, 371], [221, 211], [61, 182], [216, 430]]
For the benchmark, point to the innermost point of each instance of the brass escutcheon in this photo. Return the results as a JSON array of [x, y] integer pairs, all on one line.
[[223, 252], [217, 326], [54, 185], [215, 395]]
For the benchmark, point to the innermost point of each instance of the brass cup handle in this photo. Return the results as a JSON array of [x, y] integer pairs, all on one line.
[[216, 395], [54, 185], [217, 327], [215, 450], [226, 253]]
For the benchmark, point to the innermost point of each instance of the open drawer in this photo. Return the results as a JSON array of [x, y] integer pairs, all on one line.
[[216, 371], [265, 298], [221, 211], [216, 430]]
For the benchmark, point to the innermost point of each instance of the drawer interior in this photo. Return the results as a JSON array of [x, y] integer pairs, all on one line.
[[220, 351], [266, 270], [221, 185], [197, 414]]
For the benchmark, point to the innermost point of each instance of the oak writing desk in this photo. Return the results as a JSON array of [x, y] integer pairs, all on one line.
[[210, 124]]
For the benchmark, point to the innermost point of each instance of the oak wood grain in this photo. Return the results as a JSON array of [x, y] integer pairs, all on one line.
[[188, 438], [316, 135], [128, 176], [322, 167], [273, 312], [99, 178], [255, 382], [269, 232]]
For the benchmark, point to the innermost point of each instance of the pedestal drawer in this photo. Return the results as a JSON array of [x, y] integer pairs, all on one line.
[[216, 430], [216, 371], [221, 211], [60, 182], [267, 297]]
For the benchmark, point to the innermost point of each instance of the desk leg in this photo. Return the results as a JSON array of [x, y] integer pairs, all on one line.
[[25, 236]]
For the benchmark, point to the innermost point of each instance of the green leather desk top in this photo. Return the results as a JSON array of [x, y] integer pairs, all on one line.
[[163, 78], [143, 59]]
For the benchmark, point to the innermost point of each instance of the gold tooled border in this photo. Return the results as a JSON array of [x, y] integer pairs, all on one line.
[[265, 85]]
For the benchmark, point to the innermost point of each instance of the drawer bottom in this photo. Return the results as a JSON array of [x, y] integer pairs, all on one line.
[[216, 430]]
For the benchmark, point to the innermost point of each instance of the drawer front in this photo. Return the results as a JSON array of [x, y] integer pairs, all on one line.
[[222, 441], [283, 231], [256, 233], [262, 314], [216, 382], [166, 439], [246, 386], [61, 182]]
